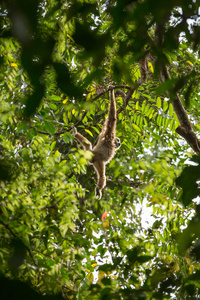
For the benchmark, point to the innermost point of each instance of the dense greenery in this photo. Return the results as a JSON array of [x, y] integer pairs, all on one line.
[[58, 59]]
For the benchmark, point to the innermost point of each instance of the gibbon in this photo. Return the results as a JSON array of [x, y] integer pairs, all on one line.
[[106, 145]]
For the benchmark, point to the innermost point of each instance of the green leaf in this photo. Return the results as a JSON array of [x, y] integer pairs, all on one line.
[[171, 110], [49, 128], [53, 145], [143, 259], [137, 128], [65, 118], [52, 106], [158, 102], [165, 105], [55, 98], [188, 181]]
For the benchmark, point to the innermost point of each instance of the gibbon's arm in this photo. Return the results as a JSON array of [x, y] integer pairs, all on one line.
[[100, 169], [111, 121], [82, 140]]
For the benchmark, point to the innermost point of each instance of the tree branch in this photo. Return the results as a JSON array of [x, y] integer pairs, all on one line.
[[185, 129], [177, 104]]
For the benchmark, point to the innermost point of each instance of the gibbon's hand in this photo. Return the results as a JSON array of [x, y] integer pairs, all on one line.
[[74, 130]]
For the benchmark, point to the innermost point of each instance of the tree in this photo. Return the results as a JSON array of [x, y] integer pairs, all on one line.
[[58, 60]]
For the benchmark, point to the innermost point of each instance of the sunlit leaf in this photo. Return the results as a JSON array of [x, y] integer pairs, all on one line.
[[89, 132], [158, 102], [165, 105], [137, 128]]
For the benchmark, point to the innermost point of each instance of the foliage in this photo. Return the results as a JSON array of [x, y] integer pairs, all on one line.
[[58, 59]]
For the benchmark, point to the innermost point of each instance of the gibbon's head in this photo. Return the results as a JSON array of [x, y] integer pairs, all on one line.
[[117, 143]]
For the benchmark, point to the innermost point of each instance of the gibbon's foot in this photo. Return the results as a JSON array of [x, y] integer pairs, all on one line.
[[98, 193], [117, 143], [74, 130]]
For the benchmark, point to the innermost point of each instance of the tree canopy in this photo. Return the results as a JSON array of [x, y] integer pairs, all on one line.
[[59, 60]]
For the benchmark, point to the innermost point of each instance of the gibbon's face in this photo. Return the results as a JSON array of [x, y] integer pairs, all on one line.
[[117, 143]]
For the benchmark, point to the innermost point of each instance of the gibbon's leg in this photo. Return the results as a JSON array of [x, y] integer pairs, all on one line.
[[82, 140], [99, 167]]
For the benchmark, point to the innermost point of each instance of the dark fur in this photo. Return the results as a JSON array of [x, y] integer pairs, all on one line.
[[106, 145]]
